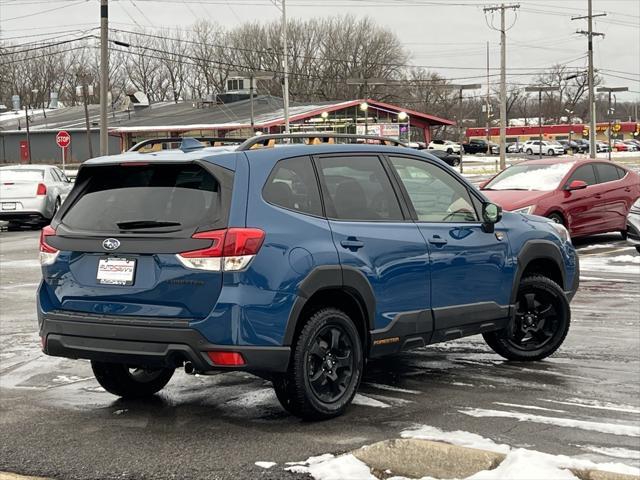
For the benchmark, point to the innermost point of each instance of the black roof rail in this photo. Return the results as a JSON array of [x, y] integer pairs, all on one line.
[[323, 137], [187, 144]]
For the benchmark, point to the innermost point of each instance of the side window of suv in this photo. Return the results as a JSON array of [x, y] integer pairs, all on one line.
[[606, 173], [293, 185], [584, 173], [436, 196], [358, 188]]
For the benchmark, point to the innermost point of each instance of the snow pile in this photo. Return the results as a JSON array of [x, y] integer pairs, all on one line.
[[519, 464], [460, 438], [618, 264], [265, 464], [543, 178]]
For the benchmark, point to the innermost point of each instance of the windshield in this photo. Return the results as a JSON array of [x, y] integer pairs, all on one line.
[[21, 175], [530, 177]]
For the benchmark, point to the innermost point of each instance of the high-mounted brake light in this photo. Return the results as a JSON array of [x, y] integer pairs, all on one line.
[[231, 250], [42, 189], [48, 254]]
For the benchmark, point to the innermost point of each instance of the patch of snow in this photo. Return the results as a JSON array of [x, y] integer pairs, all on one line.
[[596, 246], [625, 259], [265, 464], [595, 404], [601, 279], [381, 386], [459, 437], [528, 407], [341, 468], [254, 398], [615, 452], [364, 401], [619, 264], [462, 384], [120, 412], [524, 464], [610, 428]]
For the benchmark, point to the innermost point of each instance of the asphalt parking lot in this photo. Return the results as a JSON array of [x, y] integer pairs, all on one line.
[[584, 401]]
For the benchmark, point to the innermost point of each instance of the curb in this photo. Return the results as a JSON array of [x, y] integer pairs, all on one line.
[[417, 458]]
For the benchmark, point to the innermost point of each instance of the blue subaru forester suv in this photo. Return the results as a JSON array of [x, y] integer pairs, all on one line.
[[296, 263]]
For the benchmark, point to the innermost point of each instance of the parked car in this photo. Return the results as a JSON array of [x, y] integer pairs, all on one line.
[[449, 158], [533, 147], [296, 264], [514, 147], [633, 225], [573, 146], [635, 142], [444, 145], [602, 147], [494, 148], [619, 146], [631, 146], [586, 196], [476, 146], [31, 193]]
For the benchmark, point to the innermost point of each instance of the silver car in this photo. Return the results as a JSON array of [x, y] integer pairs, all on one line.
[[31, 193], [633, 225]]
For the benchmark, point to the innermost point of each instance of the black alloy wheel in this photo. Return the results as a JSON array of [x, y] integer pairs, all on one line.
[[540, 324], [330, 363]]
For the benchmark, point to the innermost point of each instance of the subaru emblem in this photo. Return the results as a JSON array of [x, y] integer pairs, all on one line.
[[111, 244]]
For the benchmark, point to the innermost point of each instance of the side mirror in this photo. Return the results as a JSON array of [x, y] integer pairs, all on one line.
[[491, 214], [576, 185]]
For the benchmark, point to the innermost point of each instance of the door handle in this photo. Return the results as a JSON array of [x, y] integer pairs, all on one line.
[[352, 243], [437, 240]]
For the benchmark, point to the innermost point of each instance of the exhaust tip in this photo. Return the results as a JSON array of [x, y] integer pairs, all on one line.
[[189, 369]]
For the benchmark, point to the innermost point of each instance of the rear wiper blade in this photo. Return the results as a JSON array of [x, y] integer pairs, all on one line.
[[138, 224]]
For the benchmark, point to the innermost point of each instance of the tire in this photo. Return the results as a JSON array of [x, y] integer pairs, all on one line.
[[449, 151], [539, 300], [529, 151], [624, 234], [551, 153], [125, 382], [455, 163], [325, 368], [557, 218]]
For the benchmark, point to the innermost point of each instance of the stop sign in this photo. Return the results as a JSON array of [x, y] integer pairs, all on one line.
[[63, 139]]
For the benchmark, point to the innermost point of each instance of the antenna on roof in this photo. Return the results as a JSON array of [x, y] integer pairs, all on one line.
[[190, 144]]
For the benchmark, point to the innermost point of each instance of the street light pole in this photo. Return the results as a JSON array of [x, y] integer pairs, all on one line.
[[610, 90], [540, 89], [104, 75]]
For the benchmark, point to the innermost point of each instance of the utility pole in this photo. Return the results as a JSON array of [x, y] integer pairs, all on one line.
[[26, 116], [503, 75], [540, 89], [83, 79], [591, 80], [488, 100], [610, 90], [104, 77], [461, 88]]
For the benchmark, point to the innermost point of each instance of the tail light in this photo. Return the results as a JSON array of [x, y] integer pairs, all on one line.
[[48, 254], [226, 358], [42, 189], [231, 250]]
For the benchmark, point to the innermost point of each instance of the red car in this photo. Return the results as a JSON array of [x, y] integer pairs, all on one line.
[[586, 196], [620, 146]]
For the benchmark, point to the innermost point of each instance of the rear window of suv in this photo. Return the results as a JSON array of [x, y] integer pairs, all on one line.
[[149, 198]]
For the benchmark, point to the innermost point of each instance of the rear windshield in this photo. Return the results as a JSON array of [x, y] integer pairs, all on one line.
[[21, 175], [148, 198]]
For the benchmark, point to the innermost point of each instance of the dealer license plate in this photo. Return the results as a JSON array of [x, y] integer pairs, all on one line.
[[8, 206], [116, 271]]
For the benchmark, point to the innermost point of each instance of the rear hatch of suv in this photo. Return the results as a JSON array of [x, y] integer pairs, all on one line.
[[140, 239]]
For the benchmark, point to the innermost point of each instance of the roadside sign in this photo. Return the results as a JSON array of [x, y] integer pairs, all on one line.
[[63, 139]]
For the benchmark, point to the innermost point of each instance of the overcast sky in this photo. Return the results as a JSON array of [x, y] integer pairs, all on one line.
[[446, 36]]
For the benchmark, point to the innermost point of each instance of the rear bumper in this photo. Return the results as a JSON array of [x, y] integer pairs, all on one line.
[[24, 208], [79, 336]]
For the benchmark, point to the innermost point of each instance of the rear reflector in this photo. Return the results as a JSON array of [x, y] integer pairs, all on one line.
[[226, 358], [231, 250], [42, 189], [48, 254]]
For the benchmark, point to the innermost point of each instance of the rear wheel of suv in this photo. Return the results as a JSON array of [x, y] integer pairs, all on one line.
[[540, 325], [130, 382], [326, 367]]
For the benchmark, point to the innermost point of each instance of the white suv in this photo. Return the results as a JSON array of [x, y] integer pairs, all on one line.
[[532, 147], [444, 145]]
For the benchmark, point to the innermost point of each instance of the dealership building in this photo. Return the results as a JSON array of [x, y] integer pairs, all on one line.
[[223, 116]]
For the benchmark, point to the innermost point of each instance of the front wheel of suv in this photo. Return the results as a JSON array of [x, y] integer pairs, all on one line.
[[540, 324], [130, 382], [326, 367]]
